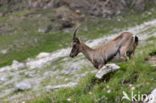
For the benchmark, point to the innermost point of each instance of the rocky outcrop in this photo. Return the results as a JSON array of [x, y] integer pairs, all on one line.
[[67, 17], [102, 8]]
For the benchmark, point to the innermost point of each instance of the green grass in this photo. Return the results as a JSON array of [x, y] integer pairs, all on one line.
[[136, 72], [26, 41]]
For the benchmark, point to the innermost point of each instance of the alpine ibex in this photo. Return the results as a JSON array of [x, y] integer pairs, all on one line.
[[124, 46]]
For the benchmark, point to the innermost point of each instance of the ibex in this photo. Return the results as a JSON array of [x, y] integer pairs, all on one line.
[[122, 46]]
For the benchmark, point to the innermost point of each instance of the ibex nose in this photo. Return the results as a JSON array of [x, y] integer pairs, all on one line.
[[71, 55]]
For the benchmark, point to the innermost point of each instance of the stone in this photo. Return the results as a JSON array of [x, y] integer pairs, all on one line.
[[16, 65], [152, 97], [67, 17], [3, 79], [139, 5], [1, 14], [45, 30], [51, 88], [68, 99], [22, 86], [4, 51], [42, 55], [108, 68], [154, 1]]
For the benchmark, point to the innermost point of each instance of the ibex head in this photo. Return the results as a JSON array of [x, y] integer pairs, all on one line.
[[75, 45]]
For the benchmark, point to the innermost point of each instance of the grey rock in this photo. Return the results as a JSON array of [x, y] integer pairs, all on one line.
[[43, 54], [154, 1], [51, 88], [106, 69], [139, 5], [45, 30], [1, 14], [152, 97], [4, 51], [3, 79], [22, 86]]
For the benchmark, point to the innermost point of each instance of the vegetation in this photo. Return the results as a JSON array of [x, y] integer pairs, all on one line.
[[135, 75]]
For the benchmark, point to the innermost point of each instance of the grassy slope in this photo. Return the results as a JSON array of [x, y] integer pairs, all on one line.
[[28, 41], [137, 72]]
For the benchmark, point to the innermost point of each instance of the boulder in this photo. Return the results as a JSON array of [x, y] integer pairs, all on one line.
[[46, 29], [22, 86], [4, 2], [106, 8], [67, 17], [139, 5], [108, 68]]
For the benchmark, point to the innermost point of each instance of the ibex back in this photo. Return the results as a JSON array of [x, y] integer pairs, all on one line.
[[124, 46]]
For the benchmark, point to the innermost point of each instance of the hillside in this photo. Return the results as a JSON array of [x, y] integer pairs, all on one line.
[[35, 66]]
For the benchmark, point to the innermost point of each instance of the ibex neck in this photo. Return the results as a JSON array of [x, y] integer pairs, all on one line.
[[86, 50]]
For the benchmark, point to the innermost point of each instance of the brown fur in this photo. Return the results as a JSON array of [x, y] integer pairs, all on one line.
[[124, 45]]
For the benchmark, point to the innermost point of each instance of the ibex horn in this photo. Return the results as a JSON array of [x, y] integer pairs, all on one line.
[[75, 31]]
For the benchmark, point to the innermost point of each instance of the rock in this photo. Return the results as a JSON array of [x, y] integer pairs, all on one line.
[[103, 8], [16, 65], [68, 99], [139, 5], [3, 79], [45, 30], [107, 8], [67, 17], [151, 98], [42, 55], [41, 30], [1, 14], [4, 2], [22, 86], [66, 23], [106, 69], [51, 88], [4, 51], [48, 28], [154, 1], [78, 12]]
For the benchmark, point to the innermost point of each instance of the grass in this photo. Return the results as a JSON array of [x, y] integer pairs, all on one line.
[[26, 42], [26, 39], [136, 73]]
